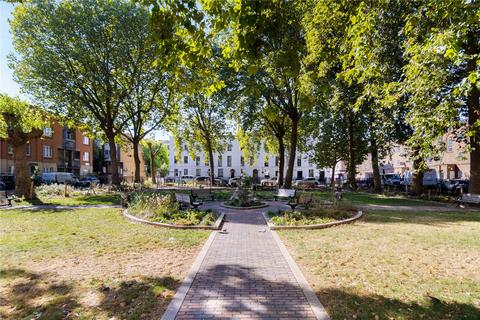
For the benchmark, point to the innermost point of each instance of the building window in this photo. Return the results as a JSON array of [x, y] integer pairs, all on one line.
[[47, 132], [198, 172], [299, 161], [86, 156], [175, 160], [449, 145], [10, 149], [27, 149], [219, 160], [185, 172], [229, 161], [197, 161], [185, 147], [11, 169], [175, 172], [220, 172], [276, 161], [86, 141], [266, 162], [185, 159], [310, 173], [47, 151], [242, 161], [251, 161], [229, 147]]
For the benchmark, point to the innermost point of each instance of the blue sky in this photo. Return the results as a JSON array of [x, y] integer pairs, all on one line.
[[7, 85]]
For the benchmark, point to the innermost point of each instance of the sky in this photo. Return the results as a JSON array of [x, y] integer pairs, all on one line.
[[7, 84]]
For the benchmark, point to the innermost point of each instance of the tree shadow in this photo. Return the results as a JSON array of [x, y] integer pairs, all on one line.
[[342, 304], [433, 218], [30, 295]]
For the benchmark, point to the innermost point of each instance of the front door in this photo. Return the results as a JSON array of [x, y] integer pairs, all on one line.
[[299, 175]]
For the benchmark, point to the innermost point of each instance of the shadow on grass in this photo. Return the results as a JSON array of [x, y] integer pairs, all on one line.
[[421, 217], [343, 305], [39, 296]]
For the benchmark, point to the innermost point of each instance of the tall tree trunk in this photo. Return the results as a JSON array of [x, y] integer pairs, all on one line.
[[292, 152], [152, 163], [377, 182], [332, 183], [281, 160], [417, 179], [22, 174], [136, 159], [211, 164], [114, 160], [352, 166], [473, 104]]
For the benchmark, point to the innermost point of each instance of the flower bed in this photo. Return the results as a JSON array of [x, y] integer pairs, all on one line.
[[163, 209], [317, 217]]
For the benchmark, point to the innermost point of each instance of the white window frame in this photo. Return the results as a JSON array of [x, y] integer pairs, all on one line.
[[47, 132], [47, 154], [86, 141], [86, 156]]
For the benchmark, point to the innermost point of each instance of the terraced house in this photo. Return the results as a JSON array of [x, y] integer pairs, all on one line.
[[60, 149]]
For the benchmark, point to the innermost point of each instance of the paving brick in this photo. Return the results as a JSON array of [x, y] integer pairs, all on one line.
[[245, 276]]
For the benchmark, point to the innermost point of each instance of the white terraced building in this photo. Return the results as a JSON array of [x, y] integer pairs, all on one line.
[[231, 163]]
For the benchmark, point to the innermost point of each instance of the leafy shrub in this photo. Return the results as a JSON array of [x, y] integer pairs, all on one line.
[[316, 215], [161, 207], [53, 190]]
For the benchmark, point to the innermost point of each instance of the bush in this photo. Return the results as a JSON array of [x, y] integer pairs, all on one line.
[[316, 215], [161, 207], [53, 190]]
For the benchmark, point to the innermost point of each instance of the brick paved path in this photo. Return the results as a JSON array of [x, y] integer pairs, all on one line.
[[245, 276]]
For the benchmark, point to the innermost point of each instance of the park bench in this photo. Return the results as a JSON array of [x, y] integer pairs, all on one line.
[[303, 200], [5, 199], [185, 200], [469, 198], [205, 194], [288, 194]]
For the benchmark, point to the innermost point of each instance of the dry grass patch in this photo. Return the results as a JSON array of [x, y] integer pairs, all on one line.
[[89, 264], [396, 265]]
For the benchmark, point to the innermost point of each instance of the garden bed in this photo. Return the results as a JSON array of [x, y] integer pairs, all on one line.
[[162, 210], [316, 218], [255, 206]]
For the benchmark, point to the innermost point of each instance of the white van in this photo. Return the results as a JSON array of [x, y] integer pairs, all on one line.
[[59, 177]]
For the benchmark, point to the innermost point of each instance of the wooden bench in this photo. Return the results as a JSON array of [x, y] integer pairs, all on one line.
[[469, 198], [5, 199], [285, 194], [202, 194], [302, 200], [185, 200]]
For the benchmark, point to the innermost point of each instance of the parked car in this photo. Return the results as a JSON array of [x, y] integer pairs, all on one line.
[[87, 182], [391, 180], [186, 179], [9, 181], [59, 177], [307, 183], [454, 186], [202, 181], [269, 182], [233, 182], [430, 179]]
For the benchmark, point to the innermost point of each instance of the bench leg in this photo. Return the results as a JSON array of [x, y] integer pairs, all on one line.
[[293, 206]]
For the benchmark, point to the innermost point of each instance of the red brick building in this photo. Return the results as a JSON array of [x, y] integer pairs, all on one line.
[[60, 149]]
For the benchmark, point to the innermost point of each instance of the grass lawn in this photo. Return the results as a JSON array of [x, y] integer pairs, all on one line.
[[105, 199], [395, 265], [89, 264]]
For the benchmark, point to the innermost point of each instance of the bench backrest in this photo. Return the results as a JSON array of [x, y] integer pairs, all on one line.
[[471, 197], [182, 197], [290, 193]]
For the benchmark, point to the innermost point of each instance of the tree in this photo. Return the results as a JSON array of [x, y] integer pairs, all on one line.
[[20, 123], [328, 141], [266, 38], [159, 153], [441, 82], [80, 59]]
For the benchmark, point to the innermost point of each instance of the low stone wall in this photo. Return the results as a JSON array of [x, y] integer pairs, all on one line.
[[272, 226], [215, 226]]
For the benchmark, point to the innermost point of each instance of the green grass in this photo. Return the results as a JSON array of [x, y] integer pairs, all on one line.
[[100, 199], [107, 266], [395, 265]]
